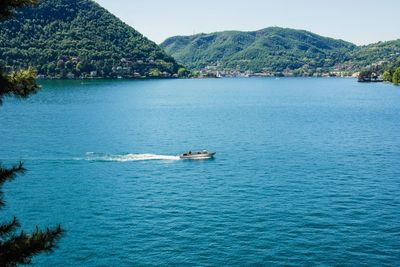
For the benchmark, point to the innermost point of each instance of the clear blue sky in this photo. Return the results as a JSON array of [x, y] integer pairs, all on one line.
[[358, 21]]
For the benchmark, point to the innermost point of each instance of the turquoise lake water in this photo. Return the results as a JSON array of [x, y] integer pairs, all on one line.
[[307, 171]]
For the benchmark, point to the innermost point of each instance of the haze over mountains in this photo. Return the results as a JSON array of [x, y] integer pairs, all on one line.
[[276, 49]]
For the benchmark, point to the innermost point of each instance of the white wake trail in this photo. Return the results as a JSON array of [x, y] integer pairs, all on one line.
[[91, 156]]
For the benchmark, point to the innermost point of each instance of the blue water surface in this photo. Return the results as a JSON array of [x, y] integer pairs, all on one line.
[[307, 171]]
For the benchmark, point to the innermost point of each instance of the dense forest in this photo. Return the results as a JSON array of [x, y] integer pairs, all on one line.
[[274, 49], [277, 49], [78, 38]]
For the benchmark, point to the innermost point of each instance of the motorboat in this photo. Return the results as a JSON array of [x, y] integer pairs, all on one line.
[[204, 154]]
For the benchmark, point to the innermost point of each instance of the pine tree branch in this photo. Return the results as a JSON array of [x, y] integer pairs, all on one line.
[[20, 83], [7, 174], [8, 228], [21, 248]]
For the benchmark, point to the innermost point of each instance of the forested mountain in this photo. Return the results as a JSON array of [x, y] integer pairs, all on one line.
[[276, 49], [78, 38]]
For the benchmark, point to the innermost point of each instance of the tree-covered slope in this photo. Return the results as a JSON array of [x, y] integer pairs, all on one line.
[[378, 54], [274, 49], [79, 38]]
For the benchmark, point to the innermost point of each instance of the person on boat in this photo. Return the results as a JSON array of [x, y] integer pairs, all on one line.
[[190, 152]]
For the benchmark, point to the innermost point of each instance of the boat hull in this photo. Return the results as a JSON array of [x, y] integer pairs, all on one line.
[[199, 155]]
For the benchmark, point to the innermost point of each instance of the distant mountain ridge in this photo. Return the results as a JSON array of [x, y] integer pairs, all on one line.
[[275, 49], [79, 38]]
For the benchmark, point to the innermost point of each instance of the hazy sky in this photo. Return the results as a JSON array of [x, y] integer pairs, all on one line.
[[358, 21]]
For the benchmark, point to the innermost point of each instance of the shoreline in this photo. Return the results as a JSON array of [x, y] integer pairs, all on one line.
[[190, 78]]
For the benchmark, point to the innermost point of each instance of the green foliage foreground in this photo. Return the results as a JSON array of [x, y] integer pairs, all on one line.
[[21, 83], [19, 248]]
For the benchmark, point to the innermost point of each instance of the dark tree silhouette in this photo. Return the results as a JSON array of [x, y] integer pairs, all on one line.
[[19, 83], [7, 7], [19, 248]]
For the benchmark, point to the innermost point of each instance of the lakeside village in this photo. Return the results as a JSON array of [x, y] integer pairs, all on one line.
[[214, 72], [369, 74], [206, 73], [127, 70]]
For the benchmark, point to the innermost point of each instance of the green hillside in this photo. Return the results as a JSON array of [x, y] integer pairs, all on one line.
[[78, 38], [273, 49], [379, 54]]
